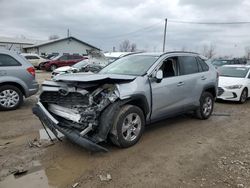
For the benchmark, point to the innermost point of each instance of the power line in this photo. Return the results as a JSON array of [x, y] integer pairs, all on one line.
[[133, 32], [209, 23]]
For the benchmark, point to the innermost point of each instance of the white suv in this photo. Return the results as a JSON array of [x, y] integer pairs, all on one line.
[[34, 59]]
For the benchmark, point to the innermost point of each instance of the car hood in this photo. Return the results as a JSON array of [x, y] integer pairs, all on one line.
[[229, 81], [90, 77], [64, 69]]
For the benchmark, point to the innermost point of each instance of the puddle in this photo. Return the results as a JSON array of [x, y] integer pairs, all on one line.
[[34, 178]]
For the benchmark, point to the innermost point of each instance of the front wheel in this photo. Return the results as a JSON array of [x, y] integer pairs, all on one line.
[[128, 125], [206, 106], [243, 96]]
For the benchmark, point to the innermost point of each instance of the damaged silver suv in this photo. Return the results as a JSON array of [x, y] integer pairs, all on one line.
[[126, 95]]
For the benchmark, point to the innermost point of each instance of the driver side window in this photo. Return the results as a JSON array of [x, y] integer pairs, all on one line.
[[169, 67]]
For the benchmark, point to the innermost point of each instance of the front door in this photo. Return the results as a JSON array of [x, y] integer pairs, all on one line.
[[169, 96]]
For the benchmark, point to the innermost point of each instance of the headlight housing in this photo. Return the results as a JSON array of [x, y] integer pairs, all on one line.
[[234, 87]]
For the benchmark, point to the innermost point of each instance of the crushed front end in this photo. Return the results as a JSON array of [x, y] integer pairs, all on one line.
[[75, 108]]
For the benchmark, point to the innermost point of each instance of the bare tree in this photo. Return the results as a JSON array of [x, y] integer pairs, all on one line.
[[209, 51], [53, 37], [126, 46], [133, 47], [247, 50]]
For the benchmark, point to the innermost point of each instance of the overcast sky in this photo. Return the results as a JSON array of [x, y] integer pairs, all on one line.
[[106, 23]]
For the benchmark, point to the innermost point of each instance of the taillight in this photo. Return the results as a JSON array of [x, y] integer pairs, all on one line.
[[32, 71]]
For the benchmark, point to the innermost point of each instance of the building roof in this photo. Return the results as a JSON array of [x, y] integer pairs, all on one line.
[[18, 40], [58, 40]]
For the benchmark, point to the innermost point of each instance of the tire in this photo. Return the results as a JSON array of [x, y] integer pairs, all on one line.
[[39, 67], [53, 67], [243, 96], [206, 106], [128, 125], [10, 97]]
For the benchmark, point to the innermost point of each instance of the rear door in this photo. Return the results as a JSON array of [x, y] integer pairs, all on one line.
[[189, 70]]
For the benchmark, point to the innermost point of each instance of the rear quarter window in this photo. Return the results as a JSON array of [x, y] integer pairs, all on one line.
[[7, 60], [202, 64]]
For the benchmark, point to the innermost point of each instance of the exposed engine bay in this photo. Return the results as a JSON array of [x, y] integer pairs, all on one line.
[[79, 108]]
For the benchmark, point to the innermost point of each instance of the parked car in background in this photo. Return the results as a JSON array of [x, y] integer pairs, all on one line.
[[94, 63], [112, 56], [82, 66], [126, 95], [17, 80], [60, 61], [221, 62], [234, 83], [34, 59]]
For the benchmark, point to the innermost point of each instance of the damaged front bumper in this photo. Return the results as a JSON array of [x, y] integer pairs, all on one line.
[[72, 134]]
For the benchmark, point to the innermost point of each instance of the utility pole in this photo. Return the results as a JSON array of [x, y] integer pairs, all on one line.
[[165, 32], [68, 33]]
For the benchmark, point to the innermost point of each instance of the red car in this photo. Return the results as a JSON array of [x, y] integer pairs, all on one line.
[[60, 61]]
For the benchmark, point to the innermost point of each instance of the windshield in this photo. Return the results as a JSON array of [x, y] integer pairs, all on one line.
[[220, 62], [80, 64], [238, 72], [130, 65]]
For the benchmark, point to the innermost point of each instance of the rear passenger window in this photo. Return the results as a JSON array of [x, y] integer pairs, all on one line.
[[203, 64], [188, 65], [6, 60]]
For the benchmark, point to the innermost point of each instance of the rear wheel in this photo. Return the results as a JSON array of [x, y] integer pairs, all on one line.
[[10, 97], [128, 125], [206, 106], [243, 96]]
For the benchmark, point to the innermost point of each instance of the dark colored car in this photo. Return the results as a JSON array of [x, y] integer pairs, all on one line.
[[60, 61]]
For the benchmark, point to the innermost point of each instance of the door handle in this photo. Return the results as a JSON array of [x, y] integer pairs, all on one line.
[[203, 78], [180, 84]]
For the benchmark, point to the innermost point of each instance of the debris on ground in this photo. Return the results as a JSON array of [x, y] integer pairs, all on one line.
[[44, 134], [75, 185], [105, 178], [39, 143], [19, 171]]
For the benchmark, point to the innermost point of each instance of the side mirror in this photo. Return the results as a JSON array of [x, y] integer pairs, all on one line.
[[159, 76]]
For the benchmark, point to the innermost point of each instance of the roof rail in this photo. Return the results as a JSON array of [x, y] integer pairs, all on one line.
[[178, 52]]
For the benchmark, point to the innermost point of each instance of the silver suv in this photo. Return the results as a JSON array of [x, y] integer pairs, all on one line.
[[17, 79], [125, 96]]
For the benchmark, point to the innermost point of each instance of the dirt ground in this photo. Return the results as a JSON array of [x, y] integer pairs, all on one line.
[[178, 152]]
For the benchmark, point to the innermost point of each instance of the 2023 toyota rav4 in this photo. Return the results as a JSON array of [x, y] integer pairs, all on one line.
[[124, 96]]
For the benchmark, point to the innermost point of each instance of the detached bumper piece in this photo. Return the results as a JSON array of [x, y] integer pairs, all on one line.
[[72, 134]]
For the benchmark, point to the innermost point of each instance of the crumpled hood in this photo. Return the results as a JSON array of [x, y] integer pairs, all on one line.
[[229, 81], [90, 77]]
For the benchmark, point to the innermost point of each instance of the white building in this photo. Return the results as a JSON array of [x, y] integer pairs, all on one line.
[[69, 45], [16, 44]]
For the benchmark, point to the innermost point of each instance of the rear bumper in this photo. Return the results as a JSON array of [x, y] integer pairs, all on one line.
[[72, 134], [33, 89]]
